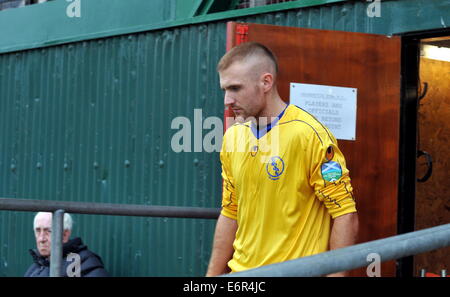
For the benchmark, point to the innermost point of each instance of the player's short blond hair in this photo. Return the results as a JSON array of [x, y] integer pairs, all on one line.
[[245, 51]]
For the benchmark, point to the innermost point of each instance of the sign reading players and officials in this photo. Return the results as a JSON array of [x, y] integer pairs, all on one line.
[[335, 107]]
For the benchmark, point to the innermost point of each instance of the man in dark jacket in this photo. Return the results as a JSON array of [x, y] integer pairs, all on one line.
[[78, 260]]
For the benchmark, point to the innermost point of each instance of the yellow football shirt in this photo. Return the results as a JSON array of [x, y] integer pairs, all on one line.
[[282, 186]]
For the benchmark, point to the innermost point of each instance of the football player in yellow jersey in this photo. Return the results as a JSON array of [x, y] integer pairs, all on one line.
[[286, 189]]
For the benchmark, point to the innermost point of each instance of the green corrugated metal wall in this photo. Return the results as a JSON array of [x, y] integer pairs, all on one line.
[[72, 115], [65, 109]]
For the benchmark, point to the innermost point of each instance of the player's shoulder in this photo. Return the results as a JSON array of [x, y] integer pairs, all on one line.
[[235, 137], [305, 124], [237, 128]]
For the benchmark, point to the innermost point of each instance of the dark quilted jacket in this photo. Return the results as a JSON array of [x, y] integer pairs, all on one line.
[[91, 264]]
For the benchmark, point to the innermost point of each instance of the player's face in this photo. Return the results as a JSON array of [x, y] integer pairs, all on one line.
[[243, 92]]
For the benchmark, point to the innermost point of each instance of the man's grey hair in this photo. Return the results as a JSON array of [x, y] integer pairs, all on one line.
[[68, 222]]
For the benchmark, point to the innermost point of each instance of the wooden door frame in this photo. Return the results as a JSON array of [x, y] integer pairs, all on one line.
[[409, 108], [389, 57]]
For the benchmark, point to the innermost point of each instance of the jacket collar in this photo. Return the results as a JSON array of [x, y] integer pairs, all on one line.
[[38, 258], [72, 246]]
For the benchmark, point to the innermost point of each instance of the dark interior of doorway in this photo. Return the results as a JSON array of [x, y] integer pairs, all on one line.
[[432, 188], [416, 208]]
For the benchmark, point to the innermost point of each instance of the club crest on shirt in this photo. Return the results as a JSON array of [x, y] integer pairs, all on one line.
[[254, 150], [331, 171], [275, 167]]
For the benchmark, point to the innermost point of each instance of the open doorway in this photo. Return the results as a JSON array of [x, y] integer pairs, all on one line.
[[432, 205]]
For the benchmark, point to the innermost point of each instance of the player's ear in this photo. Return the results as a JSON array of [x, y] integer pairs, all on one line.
[[267, 81]]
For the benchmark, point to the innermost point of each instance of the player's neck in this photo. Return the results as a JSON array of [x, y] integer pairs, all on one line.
[[273, 109]]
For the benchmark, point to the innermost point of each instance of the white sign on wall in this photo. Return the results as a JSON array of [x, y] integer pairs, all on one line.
[[335, 107]]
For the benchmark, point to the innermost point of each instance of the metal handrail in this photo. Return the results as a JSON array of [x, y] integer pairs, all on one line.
[[344, 259], [109, 208], [59, 207], [356, 256]]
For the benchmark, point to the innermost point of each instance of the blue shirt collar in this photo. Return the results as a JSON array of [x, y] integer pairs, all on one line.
[[263, 131]]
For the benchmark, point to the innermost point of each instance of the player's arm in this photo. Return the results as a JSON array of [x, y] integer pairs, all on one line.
[[226, 227], [331, 181], [222, 246], [343, 233]]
